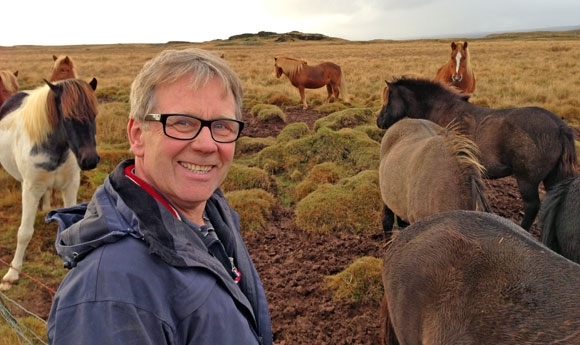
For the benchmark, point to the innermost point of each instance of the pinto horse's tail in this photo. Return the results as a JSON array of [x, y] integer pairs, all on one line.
[[388, 336]]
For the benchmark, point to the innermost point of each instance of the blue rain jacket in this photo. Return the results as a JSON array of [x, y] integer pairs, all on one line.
[[139, 275]]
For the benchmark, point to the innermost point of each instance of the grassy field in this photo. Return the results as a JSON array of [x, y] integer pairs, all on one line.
[[539, 69]]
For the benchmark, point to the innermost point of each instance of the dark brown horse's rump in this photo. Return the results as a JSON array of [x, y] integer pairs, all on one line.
[[468, 277]]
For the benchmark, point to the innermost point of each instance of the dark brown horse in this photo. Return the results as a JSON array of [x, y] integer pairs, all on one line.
[[8, 84], [470, 278], [63, 68], [560, 219], [304, 76], [530, 143], [457, 72], [427, 169]]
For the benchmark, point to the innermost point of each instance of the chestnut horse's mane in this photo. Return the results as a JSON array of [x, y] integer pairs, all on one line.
[[290, 66], [9, 80], [62, 60]]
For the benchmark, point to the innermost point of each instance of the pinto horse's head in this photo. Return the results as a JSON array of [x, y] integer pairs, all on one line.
[[77, 109]]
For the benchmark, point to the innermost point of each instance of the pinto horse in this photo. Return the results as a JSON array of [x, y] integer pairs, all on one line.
[[457, 72], [8, 85], [427, 169], [304, 76], [48, 137], [63, 68], [468, 277], [532, 144], [560, 219]]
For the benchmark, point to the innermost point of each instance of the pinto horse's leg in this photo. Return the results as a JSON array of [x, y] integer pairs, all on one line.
[[46, 201], [69, 193], [531, 199], [30, 198]]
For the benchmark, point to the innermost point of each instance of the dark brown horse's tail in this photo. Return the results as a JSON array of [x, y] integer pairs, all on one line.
[[551, 205], [388, 336], [568, 165]]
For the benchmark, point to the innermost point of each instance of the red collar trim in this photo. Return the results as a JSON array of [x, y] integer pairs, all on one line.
[[138, 181]]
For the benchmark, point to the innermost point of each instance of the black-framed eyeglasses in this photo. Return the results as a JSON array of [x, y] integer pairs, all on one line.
[[187, 127]]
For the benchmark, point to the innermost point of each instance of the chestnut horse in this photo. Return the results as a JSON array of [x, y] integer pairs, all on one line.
[[47, 137], [63, 68], [531, 143], [427, 169], [457, 72], [468, 277], [304, 76], [560, 219], [8, 85]]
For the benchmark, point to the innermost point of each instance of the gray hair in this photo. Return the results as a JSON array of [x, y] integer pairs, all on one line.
[[170, 65]]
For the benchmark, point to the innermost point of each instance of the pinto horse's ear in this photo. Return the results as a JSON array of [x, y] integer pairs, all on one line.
[[93, 83]]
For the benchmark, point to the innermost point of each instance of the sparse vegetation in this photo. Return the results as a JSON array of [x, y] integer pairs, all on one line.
[[326, 173]]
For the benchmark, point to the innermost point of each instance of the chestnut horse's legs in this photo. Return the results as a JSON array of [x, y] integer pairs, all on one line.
[[329, 91], [302, 97]]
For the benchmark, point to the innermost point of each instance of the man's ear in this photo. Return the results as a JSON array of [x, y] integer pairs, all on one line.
[[135, 134]]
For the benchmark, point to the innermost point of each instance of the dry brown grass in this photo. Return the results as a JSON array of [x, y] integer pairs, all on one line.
[[539, 70]]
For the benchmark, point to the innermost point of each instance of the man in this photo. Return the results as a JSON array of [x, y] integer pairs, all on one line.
[[156, 257]]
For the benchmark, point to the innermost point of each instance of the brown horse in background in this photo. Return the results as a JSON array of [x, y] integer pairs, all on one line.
[[467, 277], [530, 143], [304, 76], [427, 169], [8, 85], [457, 72], [63, 68]]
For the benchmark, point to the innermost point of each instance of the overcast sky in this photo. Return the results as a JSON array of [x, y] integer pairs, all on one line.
[[71, 22]]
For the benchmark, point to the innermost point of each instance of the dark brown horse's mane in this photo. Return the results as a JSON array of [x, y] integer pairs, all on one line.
[[428, 86]]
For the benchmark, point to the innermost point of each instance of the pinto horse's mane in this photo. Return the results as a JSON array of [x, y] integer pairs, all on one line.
[[39, 111], [290, 66]]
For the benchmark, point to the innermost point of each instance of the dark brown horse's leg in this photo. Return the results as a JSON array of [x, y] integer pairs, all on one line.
[[531, 199], [388, 220]]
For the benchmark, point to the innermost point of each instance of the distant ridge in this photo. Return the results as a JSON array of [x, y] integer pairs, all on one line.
[[284, 37]]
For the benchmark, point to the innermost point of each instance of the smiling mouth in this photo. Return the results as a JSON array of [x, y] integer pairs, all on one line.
[[200, 169]]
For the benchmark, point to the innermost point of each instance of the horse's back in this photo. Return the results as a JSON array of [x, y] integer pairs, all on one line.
[[482, 280], [421, 172]]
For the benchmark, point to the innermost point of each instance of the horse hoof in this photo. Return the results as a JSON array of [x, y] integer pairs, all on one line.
[[6, 285]]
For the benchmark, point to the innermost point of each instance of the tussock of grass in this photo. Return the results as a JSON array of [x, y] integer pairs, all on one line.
[[267, 112], [255, 207], [294, 130], [248, 145], [327, 172], [360, 282], [353, 205], [243, 177], [348, 118]]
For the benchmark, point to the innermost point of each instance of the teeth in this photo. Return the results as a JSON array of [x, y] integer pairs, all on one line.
[[196, 168]]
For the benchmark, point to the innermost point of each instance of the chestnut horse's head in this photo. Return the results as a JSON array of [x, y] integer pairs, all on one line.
[[63, 68], [8, 84], [459, 60]]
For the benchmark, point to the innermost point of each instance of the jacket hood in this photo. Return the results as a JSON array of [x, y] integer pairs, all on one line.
[[84, 227]]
